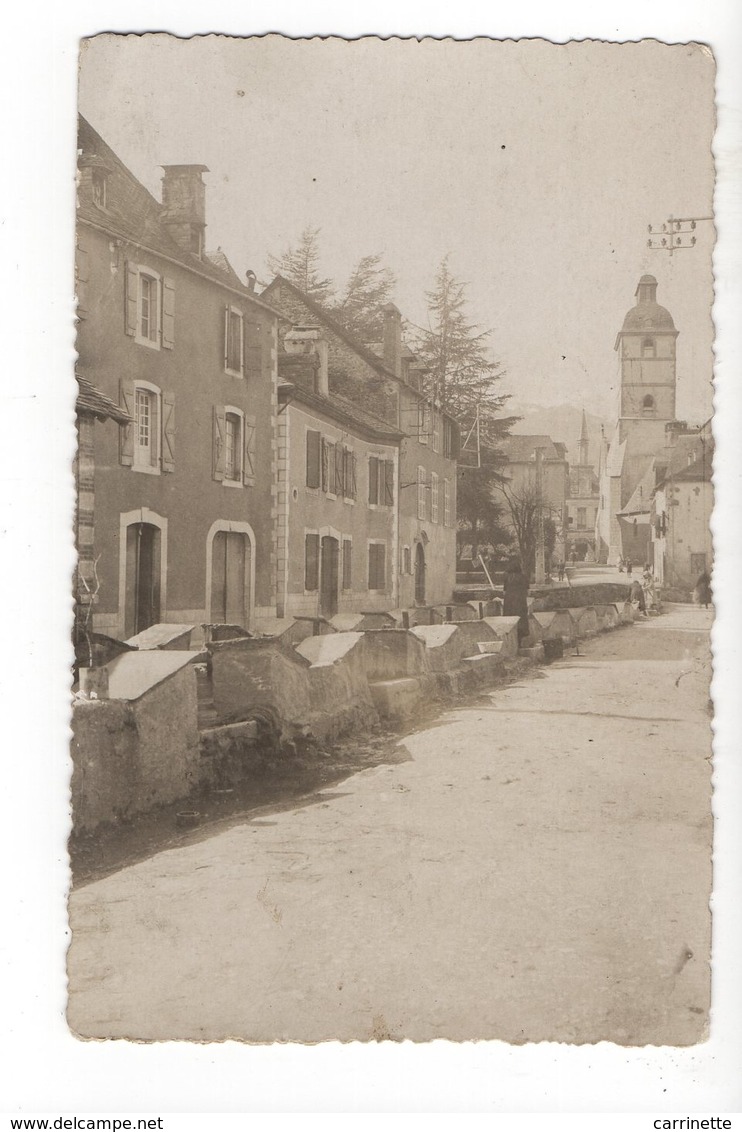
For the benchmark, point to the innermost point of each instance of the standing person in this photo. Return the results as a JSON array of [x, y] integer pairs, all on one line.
[[702, 592], [560, 571], [629, 567], [516, 596], [650, 596], [636, 593]]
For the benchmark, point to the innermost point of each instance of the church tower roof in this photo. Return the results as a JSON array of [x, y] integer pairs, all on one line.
[[647, 317]]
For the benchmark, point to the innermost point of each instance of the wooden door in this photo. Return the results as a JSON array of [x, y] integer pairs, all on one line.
[[142, 598], [230, 575], [420, 574]]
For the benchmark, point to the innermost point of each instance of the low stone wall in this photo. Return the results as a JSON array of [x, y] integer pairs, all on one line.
[[129, 756], [572, 597]]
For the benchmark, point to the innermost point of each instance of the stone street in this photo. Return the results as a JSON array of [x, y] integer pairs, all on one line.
[[538, 869]]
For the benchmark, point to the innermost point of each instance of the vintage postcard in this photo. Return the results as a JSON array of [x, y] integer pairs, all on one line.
[[394, 587]]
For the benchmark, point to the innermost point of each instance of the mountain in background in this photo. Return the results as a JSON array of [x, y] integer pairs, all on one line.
[[560, 422]]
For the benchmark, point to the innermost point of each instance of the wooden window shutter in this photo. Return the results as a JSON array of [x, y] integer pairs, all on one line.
[[313, 458], [372, 566], [126, 435], [339, 469], [248, 464], [132, 297], [168, 314], [168, 432], [389, 483], [219, 432], [253, 348], [225, 351], [353, 476], [347, 564], [81, 281], [311, 562], [325, 464], [373, 479]]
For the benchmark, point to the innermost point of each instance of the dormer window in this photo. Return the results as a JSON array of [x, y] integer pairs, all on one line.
[[649, 348], [100, 188]]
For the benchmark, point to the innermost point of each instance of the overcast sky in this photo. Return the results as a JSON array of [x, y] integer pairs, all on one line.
[[536, 167]]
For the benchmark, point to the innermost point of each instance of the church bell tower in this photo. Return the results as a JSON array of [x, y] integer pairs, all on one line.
[[646, 347]]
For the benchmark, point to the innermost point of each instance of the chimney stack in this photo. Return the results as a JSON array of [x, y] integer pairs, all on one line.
[[309, 340], [184, 205], [393, 338]]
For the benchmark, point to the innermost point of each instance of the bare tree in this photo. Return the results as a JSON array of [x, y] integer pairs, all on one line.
[[523, 507]]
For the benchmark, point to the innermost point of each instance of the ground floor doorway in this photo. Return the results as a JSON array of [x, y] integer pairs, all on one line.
[[420, 574], [230, 578], [142, 595]]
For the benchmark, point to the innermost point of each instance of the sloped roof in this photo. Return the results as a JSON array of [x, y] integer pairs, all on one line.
[[640, 500], [522, 448], [690, 458], [332, 324], [90, 400], [133, 214], [342, 410], [649, 317]]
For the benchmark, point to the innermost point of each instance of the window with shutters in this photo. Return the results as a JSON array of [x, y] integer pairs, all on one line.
[[377, 565], [233, 447], [329, 467], [147, 444], [380, 481], [313, 458], [311, 562], [349, 473], [434, 497], [447, 502], [150, 307], [373, 479], [450, 439], [347, 564], [234, 341], [422, 498]]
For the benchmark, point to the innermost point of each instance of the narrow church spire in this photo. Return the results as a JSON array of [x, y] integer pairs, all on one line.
[[584, 441]]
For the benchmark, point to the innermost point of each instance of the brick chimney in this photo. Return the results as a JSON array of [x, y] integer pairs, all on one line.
[[184, 205], [393, 338]]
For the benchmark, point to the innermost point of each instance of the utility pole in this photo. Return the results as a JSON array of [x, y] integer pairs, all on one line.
[[540, 535], [675, 235]]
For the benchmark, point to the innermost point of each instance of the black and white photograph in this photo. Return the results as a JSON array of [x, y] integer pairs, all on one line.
[[372, 542], [394, 585]]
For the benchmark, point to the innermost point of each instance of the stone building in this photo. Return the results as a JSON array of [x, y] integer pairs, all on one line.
[[681, 507], [582, 502], [646, 348], [522, 472], [184, 524], [386, 386], [338, 497]]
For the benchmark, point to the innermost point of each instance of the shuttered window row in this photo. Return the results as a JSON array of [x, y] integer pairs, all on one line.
[[330, 466]]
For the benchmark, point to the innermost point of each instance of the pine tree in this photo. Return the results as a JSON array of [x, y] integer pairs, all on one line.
[[369, 288], [300, 265], [461, 376]]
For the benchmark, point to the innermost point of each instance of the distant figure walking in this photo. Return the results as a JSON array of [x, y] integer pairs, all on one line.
[[560, 571], [702, 592], [573, 557], [629, 567], [516, 596]]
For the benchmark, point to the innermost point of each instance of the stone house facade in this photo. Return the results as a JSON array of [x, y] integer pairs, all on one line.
[[338, 475], [185, 517], [682, 502], [521, 470], [386, 386]]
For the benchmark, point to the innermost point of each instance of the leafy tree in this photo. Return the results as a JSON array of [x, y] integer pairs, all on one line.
[[369, 288], [461, 375], [300, 265]]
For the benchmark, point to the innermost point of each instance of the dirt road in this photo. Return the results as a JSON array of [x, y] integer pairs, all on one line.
[[538, 869]]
